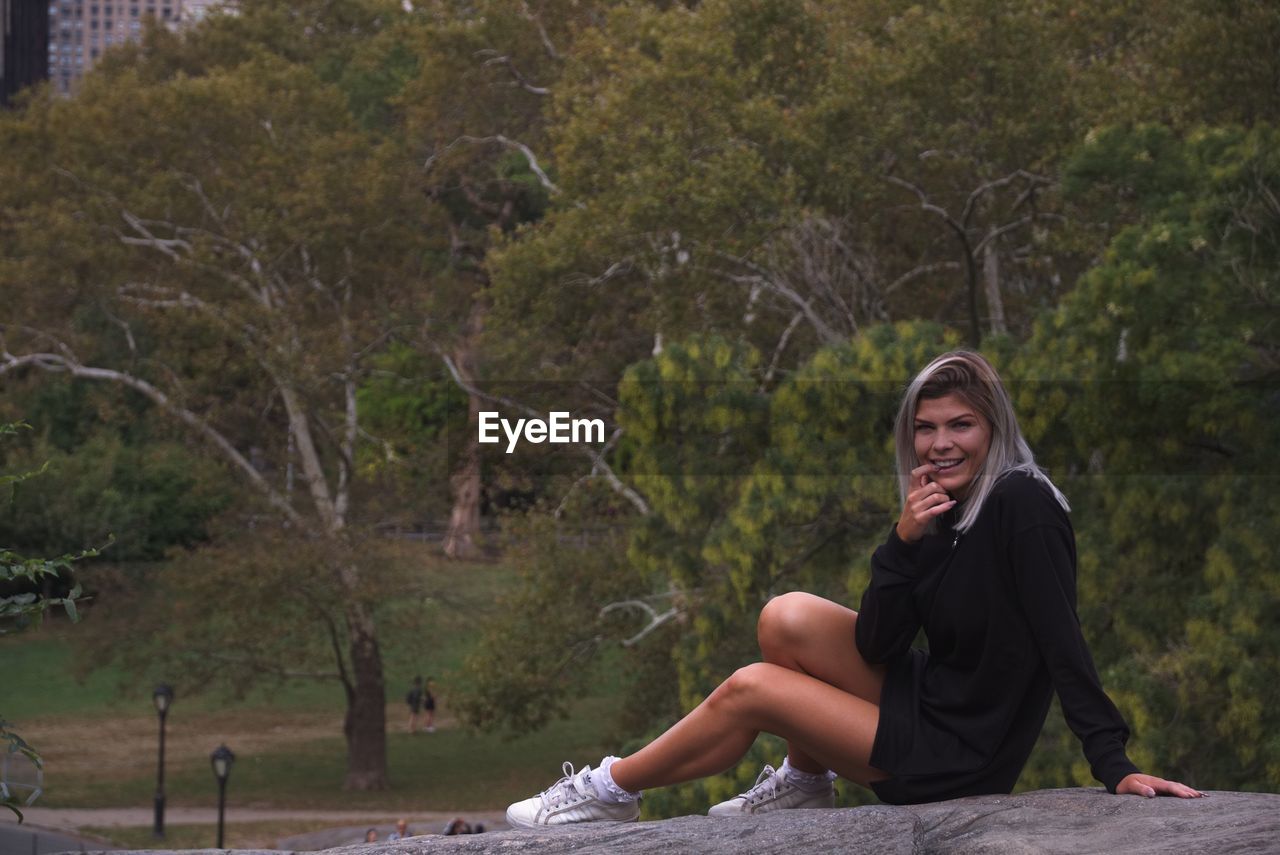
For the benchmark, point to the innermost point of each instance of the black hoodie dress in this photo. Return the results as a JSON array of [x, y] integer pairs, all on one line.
[[998, 607]]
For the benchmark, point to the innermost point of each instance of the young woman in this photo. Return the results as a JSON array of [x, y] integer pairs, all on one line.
[[983, 559]]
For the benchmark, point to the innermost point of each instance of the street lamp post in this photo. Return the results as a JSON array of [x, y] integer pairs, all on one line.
[[221, 758], [162, 697]]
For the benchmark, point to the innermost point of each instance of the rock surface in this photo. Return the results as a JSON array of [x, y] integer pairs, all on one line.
[[1072, 822]]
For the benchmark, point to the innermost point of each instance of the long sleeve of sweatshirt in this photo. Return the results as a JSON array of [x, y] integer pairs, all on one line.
[[888, 620], [1044, 573]]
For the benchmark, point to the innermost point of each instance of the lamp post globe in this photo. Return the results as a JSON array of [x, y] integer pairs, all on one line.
[[221, 759], [162, 697]]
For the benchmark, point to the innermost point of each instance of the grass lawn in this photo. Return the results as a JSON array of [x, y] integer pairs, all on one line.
[[99, 743], [450, 769]]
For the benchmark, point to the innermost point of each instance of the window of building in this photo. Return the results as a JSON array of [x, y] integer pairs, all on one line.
[[133, 10], [93, 54]]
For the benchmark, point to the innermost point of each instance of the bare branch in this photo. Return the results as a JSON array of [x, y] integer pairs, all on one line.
[[168, 246], [1030, 177], [523, 82], [529, 15], [594, 473], [926, 205], [918, 271], [529, 156], [782, 346], [618, 268], [309, 455], [124, 326], [66, 363], [656, 619], [760, 275]]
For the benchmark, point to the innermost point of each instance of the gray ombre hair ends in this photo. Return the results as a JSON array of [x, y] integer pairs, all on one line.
[[968, 376]]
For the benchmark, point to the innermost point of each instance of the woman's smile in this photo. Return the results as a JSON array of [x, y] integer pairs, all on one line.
[[954, 438]]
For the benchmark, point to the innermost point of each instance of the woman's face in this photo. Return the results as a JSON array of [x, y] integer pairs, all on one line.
[[951, 435]]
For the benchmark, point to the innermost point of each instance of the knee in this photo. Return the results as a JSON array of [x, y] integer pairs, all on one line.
[[786, 623], [737, 692]]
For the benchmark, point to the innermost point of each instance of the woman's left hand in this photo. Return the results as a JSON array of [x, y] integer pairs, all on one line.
[[1150, 786]]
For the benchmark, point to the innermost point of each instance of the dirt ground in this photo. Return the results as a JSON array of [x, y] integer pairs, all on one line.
[[127, 745]]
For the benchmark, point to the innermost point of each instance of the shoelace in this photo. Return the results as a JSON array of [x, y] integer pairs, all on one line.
[[563, 791], [766, 785]]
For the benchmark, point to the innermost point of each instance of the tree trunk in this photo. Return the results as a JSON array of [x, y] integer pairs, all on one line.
[[991, 276], [464, 519], [461, 541], [365, 725]]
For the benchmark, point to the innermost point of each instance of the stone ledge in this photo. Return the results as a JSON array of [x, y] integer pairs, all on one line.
[[1069, 821]]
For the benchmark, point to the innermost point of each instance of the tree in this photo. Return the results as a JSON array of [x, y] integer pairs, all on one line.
[[25, 596], [251, 248], [1156, 382], [477, 116]]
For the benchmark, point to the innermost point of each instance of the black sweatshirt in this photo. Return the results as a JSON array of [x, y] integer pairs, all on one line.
[[998, 607]]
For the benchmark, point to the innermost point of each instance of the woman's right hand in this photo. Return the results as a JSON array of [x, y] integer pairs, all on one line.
[[925, 502]]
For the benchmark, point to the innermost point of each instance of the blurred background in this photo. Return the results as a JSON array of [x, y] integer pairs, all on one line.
[[262, 264]]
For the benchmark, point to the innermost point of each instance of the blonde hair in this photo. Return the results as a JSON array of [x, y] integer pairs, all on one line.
[[968, 376]]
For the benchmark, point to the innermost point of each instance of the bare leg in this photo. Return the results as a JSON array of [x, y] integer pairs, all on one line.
[[827, 708], [815, 636], [832, 727]]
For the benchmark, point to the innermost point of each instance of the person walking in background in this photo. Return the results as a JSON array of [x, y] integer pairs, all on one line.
[[401, 832], [983, 559], [414, 700], [371, 836], [429, 705]]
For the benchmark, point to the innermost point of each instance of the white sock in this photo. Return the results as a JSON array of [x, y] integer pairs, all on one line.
[[606, 789], [810, 782]]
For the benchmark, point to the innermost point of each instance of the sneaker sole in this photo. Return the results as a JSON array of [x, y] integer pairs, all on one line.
[[516, 822]]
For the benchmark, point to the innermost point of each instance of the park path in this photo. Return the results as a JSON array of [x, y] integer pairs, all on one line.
[[347, 826], [70, 819]]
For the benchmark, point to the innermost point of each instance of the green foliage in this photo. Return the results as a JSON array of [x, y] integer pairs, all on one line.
[[1166, 353], [757, 492], [537, 656], [24, 598], [751, 189], [148, 498], [414, 410]]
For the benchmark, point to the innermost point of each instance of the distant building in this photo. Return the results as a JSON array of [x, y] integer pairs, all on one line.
[[24, 25], [80, 30]]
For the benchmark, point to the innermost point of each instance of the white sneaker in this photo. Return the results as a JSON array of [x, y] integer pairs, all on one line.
[[774, 792], [571, 799]]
